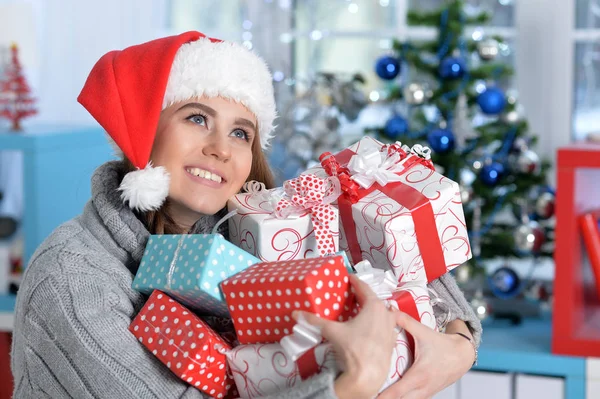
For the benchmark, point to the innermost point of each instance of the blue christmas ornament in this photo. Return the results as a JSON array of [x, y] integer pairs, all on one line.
[[387, 67], [505, 282], [441, 140], [452, 68], [396, 127], [492, 101], [491, 173]]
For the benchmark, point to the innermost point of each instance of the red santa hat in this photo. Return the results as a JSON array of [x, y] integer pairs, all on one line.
[[127, 90]]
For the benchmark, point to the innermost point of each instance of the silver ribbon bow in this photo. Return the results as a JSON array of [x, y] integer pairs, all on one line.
[[370, 164], [383, 283], [304, 337]]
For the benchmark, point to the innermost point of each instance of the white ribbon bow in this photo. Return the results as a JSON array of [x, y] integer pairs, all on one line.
[[383, 283], [371, 165], [304, 337]]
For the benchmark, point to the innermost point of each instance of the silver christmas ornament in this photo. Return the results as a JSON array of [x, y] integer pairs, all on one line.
[[417, 93], [481, 307], [511, 117], [487, 49], [544, 206], [520, 144], [301, 146], [529, 238], [466, 194], [511, 96], [528, 162], [463, 274]]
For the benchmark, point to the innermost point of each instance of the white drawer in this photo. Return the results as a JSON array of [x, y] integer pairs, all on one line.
[[481, 384], [450, 392], [529, 386]]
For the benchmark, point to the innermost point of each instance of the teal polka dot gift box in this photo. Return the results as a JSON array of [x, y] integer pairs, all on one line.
[[189, 268]]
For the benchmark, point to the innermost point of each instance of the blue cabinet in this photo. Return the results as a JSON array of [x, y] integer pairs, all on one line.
[[58, 163]]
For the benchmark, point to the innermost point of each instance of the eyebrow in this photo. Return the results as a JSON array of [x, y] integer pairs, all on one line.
[[245, 122], [211, 112], [203, 107]]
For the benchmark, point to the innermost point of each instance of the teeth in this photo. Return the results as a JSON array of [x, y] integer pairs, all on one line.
[[204, 174]]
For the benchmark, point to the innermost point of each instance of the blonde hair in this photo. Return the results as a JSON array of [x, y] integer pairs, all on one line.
[[160, 222]]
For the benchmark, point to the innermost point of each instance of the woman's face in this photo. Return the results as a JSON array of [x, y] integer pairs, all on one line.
[[206, 146]]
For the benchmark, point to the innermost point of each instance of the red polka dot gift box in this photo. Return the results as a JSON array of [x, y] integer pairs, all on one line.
[[261, 299], [396, 211], [185, 343], [296, 221]]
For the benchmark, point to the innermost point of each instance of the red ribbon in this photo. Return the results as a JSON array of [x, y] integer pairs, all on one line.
[[406, 303], [428, 239], [307, 364]]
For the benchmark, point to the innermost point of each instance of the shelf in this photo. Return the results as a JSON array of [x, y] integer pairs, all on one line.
[[40, 137], [7, 306], [7, 303], [525, 348]]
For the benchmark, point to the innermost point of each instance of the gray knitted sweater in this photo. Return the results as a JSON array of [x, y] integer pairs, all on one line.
[[75, 304]]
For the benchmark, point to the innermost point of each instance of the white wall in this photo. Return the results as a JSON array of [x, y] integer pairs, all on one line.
[[71, 35]]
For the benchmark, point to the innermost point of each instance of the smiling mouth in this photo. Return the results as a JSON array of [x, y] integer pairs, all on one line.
[[205, 174]]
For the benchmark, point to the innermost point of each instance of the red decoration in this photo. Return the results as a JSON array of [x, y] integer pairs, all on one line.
[[576, 309], [16, 102], [262, 297], [588, 223]]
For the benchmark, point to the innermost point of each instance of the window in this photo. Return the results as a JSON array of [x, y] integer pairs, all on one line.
[[554, 46], [586, 90]]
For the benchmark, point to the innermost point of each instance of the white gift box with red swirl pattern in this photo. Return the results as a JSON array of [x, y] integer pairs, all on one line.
[[265, 369], [413, 225], [258, 229], [412, 298]]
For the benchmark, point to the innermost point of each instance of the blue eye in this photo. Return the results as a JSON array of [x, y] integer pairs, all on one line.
[[197, 119], [239, 133]]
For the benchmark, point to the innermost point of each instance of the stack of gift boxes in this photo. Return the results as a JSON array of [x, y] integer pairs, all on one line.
[[219, 312]]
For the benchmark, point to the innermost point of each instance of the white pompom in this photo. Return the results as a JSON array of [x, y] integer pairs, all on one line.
[[145, 189]]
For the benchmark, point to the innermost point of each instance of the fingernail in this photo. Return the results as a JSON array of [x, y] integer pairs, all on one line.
[[295, 314]]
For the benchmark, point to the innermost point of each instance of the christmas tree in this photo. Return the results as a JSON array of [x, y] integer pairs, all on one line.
[[16, 102], [451, 96]]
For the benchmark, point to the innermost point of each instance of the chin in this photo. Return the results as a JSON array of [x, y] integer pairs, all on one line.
[[207, 208]]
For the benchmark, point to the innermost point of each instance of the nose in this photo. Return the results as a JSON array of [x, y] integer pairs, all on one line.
[[218, 147]]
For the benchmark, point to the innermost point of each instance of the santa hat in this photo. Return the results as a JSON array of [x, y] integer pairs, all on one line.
[[127, 90]]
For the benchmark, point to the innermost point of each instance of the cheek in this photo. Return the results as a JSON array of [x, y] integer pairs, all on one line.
[[243, 166]]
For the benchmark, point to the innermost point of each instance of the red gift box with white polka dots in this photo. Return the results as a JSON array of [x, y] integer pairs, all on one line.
[[261, 298], [185, 343]]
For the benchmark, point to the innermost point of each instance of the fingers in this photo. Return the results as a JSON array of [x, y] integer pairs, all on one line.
[[312, 318], [363, 292], [414, 328]]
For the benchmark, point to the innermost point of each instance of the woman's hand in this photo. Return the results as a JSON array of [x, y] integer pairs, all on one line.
[[440, 360], [363, 345]]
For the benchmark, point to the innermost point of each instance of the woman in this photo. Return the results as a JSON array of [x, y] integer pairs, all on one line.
[[191, 116]]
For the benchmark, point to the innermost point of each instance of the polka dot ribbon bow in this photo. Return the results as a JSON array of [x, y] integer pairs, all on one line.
[[315, 195]]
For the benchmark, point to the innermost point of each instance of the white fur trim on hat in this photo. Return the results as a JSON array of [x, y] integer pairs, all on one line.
[[224, 69], [145, 189]]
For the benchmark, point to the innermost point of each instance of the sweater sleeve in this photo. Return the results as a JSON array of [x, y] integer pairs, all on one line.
[[454, 301], [74, 342]]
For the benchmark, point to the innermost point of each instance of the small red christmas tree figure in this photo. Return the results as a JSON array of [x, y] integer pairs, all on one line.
[[16, 102]]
